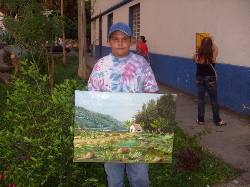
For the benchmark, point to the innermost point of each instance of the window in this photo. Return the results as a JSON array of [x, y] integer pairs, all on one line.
[[134, 20], [110, 22]]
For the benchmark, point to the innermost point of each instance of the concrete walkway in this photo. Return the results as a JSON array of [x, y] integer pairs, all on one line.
[[231, 143]]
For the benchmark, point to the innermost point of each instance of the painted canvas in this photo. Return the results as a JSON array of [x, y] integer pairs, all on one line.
[[123, 127]]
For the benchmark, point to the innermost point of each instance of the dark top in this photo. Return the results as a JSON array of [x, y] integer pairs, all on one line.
[[205, 70]]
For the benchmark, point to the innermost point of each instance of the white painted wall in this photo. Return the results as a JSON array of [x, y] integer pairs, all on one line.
[[121, 15], [102, 5], [170, 26], [172, 29]]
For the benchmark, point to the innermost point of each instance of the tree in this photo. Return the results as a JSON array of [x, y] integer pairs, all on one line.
[[82, 69], [36, 132], [63, 35], [12, 8], [34, 27]]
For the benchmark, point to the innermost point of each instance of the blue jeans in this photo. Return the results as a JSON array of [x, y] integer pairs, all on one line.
[[137, 174], [207, 83]]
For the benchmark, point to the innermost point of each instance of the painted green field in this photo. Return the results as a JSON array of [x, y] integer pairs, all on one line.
[[99, 146]]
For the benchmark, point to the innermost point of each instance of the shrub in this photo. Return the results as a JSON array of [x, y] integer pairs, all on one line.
[[189, 158], [7, 38], [36, 135]]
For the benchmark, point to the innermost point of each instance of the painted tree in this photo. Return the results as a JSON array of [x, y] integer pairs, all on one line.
[[158, 116], [166, 107], [147, 115]]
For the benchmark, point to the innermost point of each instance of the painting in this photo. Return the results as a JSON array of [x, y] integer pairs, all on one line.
[[124, 127], [199, 37]]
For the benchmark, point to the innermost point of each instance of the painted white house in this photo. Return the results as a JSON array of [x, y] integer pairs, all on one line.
[[135, 128], [170, 26]]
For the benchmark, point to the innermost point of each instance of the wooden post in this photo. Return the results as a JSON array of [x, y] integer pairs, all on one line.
[[63, 36], [52, 69], [15, 62], [82, 68]]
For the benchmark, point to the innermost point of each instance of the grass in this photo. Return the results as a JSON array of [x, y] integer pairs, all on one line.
[[66, 72], [98, 146], [208, 171]]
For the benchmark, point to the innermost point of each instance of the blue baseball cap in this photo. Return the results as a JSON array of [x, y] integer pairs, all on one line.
[[120, 27]]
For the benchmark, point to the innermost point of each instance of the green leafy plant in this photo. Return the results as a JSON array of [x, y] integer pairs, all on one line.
[[189, 158], [34, 28], [7, 38], [36, 135]]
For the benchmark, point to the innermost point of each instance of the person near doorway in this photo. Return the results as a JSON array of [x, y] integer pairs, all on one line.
[[142, 48]]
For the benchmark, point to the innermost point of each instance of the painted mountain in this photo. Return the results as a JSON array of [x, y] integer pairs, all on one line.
[[89, 120]]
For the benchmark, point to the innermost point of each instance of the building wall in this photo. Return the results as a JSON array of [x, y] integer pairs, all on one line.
[[102, 5], [170, 29], [119, 15]]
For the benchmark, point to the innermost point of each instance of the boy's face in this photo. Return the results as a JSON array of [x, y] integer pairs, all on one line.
[[120, 44]]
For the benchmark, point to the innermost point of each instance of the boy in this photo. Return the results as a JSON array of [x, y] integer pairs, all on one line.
[[123, 71]]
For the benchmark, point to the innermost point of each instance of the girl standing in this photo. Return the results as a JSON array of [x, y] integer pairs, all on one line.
[[206, 80]]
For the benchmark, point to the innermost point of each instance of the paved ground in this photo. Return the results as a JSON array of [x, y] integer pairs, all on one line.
[[231, 143]]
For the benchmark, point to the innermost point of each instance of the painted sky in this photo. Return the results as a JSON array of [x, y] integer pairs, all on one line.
[[121, 106]]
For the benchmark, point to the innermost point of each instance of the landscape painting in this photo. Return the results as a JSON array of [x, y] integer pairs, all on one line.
[[124, 127]]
